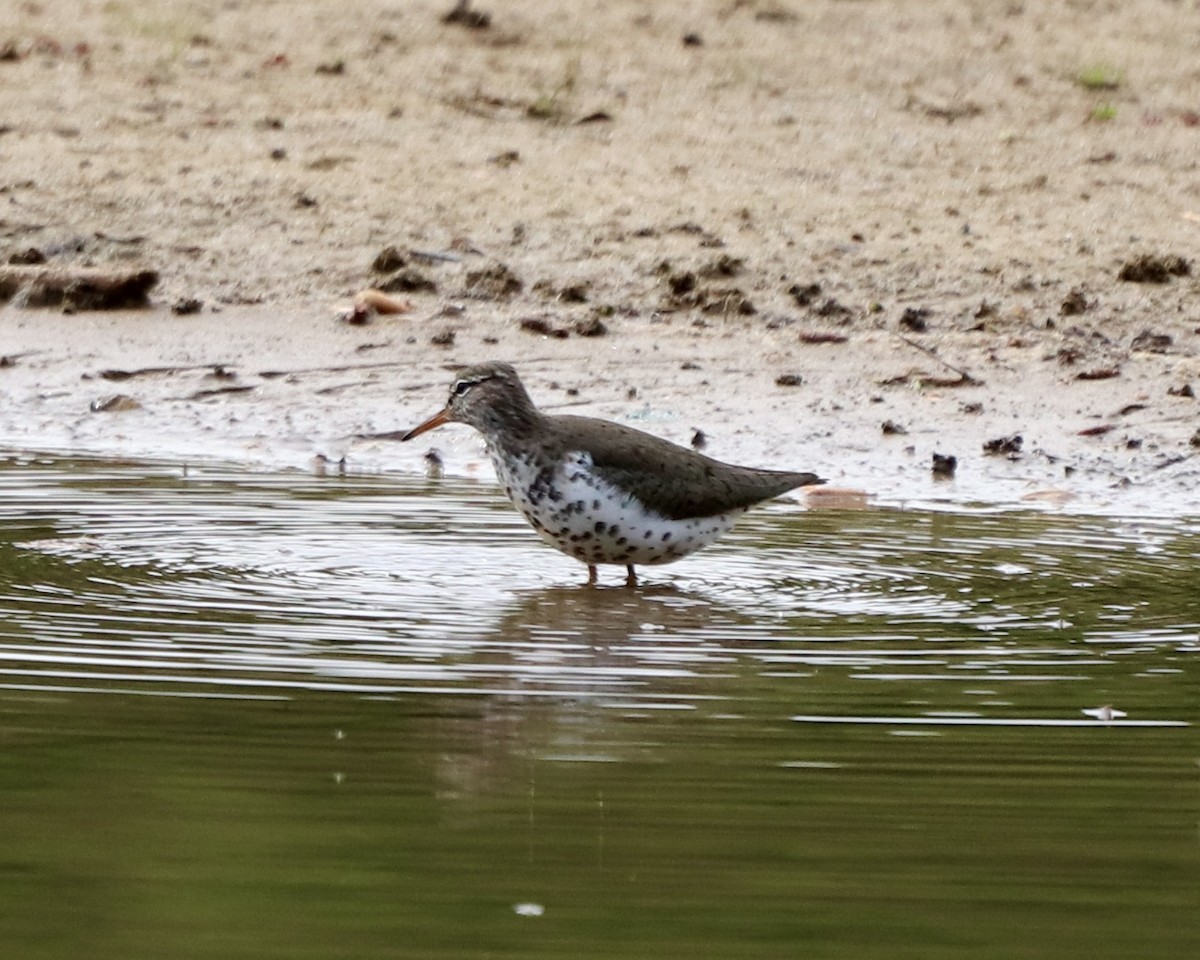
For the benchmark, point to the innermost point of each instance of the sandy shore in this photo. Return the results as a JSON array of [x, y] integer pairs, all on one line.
[[786, 225]]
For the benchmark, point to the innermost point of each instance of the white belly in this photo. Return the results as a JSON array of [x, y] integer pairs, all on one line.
[[589, 519]]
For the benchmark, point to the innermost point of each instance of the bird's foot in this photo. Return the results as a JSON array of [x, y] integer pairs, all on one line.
[[630, 576]]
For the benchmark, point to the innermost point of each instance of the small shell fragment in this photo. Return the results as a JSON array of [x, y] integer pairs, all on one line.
[[368, 303], [382, 302]]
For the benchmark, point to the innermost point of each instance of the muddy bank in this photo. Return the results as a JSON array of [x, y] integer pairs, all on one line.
[[833, 236]]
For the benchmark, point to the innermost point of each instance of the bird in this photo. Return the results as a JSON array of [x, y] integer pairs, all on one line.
[[603, 492]]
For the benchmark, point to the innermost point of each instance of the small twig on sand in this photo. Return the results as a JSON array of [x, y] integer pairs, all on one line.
[[966, 377]]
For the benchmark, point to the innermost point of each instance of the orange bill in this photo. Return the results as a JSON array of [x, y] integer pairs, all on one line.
[[442, 416]]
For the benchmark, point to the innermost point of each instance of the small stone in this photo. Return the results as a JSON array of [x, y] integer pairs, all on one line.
[[892, 429], [493, 283], [1150, 268], [915, 319], [443, 339], [804, 294], [681, 283], [1150, 342], [1075, 303], [388, 260], [727, 301], [591, 327], [117, 403], [30, 256], [462, 15], [1004, 446], [944, 464], [408, 280], [542, 327], [723, 266], [789, 380], [574, 293], [185, 306]]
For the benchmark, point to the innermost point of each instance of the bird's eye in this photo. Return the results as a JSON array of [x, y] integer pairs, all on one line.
[[462, 386]]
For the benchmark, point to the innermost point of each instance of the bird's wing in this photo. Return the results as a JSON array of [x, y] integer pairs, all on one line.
[[672, 480]]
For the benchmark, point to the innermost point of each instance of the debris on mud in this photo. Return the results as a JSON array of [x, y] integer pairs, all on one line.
[[568, 293], [1004, 446], [76, 288], [116, 403], [388, 260], [218, 371], [983, 311], [915, 319], [722, 267], [699, 440], [832, 309], [804, 293], [891, 428], [542, 327], [944, 464], [505, 158], [1150, 268], [821, 336], [1076, 302], [462, 15], [591, 326], [1185, 390], [380, 302], [1099, 373], [922, 380], [29, 257], [1097, 431], [186, 306], [1148, 341], [407, 280], [496, 282], [209, 392], [1195, 440], [727, 300], [687, 294], [789, 380], [370, 302]]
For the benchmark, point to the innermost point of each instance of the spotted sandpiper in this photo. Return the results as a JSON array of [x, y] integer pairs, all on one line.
[[603, 492]]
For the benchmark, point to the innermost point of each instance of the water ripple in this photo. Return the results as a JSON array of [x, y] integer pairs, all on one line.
[[123, 578]]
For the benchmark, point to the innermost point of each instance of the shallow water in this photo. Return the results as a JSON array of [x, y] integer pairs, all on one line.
[[291, 716]]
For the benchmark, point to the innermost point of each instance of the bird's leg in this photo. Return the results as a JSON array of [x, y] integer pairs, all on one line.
[[591, 575], [630, 576]]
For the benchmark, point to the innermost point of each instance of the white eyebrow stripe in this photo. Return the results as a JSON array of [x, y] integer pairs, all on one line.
[[464, 383]]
